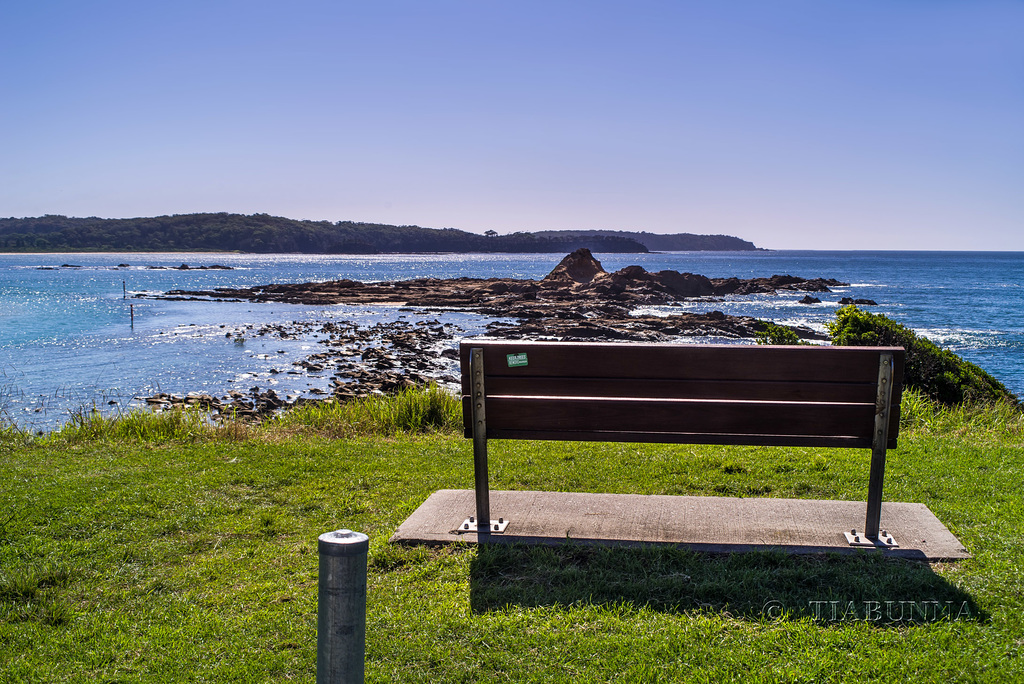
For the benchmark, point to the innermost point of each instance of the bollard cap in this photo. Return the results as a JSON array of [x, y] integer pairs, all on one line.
[[343, 543]]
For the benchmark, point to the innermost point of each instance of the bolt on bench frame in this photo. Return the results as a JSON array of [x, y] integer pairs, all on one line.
[[804, 396]]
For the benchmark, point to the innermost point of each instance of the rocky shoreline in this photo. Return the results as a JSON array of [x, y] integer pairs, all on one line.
[[577, 300], [352, 361]]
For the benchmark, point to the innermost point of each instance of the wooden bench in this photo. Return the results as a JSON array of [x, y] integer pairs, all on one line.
[[804, 396]]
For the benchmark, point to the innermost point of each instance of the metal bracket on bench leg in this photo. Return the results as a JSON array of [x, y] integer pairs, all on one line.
[[470, 524], [883, 541]]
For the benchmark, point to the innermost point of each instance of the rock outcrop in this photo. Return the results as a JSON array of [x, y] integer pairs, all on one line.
[[576, 268], [578, 277]]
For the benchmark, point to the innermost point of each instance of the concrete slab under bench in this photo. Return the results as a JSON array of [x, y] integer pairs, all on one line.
[[701, 523]]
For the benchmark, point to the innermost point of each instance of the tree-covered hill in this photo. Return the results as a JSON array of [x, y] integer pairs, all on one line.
[[262, 233], [673, 242]]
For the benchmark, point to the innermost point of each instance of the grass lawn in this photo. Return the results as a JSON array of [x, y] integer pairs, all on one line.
[[191, 556]]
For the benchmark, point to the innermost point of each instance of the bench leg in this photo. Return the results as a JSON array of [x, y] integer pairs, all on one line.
[[483, 492], [875, 481], [880, 440]]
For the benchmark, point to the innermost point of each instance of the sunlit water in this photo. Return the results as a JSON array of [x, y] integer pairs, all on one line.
[[67, 339]]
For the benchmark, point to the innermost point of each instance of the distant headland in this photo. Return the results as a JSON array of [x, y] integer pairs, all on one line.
[[265, 234]]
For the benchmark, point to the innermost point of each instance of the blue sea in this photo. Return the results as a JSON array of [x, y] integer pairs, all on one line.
[[73, 336]]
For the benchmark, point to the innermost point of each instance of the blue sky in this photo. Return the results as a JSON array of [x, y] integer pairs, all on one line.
[[814, 124]]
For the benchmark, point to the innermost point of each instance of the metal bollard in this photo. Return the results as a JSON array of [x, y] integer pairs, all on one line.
[[341, 607]]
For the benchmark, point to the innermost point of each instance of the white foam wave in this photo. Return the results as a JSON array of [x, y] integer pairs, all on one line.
[[963, 338]]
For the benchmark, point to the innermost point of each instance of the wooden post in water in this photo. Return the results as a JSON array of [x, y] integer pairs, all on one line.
[[131, 310], [124, 289]]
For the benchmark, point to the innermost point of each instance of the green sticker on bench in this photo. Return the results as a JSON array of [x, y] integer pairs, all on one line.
[[516, 360]]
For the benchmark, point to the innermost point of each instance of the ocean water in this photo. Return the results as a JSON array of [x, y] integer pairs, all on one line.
[[73, 336]]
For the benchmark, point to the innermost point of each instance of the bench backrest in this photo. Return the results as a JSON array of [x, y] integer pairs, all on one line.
[[693, 394]]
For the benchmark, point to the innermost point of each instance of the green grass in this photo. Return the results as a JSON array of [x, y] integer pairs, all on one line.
[[184, 551]]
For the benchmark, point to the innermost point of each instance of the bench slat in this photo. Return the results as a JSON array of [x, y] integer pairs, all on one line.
[[681, 362], [685, 438], [656, 416], [794, 390]]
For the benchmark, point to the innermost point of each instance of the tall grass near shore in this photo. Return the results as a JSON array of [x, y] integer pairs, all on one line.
[[413, 410], [183, 425], [920, 413], [10, 435], [7, 431]]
